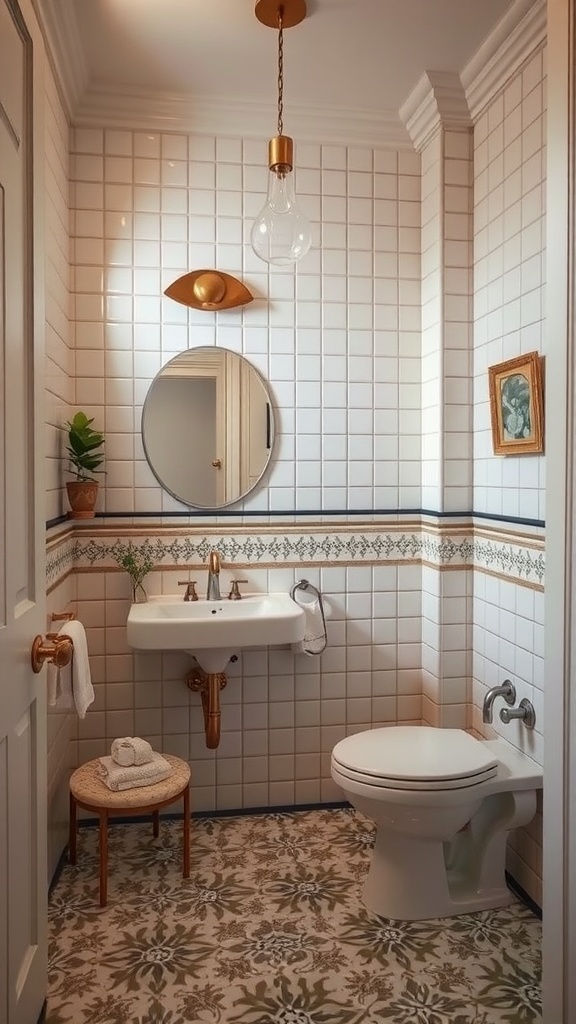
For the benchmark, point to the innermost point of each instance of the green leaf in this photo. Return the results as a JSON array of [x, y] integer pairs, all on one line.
[[83, 446]]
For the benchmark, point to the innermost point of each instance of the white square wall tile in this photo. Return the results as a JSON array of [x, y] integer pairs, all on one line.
[[87, 140]]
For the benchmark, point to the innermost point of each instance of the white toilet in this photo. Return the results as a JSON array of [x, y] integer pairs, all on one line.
[[443, 803]]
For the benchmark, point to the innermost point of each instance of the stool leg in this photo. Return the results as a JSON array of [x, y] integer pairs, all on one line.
[[103, 858], [72, 836], [186, 837], [156, 824]]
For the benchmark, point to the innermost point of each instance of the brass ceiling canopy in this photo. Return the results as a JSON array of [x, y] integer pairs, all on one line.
[[209, 289], [290, 12]]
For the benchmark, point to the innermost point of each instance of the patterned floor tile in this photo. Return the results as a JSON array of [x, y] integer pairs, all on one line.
[[270, 929]]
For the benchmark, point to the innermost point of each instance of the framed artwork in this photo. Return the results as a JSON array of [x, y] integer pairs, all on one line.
[[516, 407]]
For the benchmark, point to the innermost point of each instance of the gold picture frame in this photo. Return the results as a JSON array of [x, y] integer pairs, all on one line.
[[516, 405]]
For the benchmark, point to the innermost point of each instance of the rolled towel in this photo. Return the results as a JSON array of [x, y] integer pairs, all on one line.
[[118, 777], [129, 750]]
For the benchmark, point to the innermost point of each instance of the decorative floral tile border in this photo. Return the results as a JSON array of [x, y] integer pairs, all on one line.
[[60, 555], [514, 556], [524, 562]]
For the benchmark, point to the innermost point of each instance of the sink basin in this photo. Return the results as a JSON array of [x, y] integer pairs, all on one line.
[[214, 630]]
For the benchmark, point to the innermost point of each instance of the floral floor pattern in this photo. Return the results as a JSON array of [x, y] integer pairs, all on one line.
[[270, 929]]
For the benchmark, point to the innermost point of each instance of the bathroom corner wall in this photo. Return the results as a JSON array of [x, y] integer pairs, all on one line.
[[59, 383], [498, 625], [509, 302], [446, 634], [438, 120], [509, 274], [59, 340], [447, 319]]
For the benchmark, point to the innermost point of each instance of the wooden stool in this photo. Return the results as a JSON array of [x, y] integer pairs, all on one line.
[[88, 791]]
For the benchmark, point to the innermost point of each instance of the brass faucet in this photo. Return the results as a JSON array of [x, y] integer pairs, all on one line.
[[213, 591]]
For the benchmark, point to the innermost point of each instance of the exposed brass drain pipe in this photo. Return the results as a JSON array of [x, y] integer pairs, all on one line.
[[209, 684]]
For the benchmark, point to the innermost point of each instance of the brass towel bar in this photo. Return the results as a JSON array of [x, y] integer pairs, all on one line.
[[57, 648]]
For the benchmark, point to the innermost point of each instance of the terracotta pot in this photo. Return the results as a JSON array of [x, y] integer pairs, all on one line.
[[82, 495]]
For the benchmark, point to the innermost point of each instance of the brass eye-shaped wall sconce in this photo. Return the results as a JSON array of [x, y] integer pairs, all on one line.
[[209, 289]]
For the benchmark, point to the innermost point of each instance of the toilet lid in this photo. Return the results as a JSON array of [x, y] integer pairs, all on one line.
[[415, 757]]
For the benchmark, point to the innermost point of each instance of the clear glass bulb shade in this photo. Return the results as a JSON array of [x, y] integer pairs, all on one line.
[[281, 233]]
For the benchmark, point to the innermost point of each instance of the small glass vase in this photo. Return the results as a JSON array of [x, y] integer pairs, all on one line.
[[139, 595]]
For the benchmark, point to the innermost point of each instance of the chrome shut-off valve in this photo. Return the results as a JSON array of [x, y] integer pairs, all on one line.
[[524, 713]]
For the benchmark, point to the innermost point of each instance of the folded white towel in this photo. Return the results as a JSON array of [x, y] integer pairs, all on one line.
[[129, 750], [117, 777], [71, 686]]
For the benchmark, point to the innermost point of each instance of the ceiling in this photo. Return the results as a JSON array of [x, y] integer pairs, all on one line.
[[356, 60]]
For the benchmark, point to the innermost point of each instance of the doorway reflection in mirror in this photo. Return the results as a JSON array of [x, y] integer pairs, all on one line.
[[207, 427]]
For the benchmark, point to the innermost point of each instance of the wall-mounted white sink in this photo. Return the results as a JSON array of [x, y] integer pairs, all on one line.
[[214, 630]]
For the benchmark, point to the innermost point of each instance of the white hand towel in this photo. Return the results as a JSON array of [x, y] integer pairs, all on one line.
[[129, 750], [59, 688], [117, 777], [314, 640], [71, 686]]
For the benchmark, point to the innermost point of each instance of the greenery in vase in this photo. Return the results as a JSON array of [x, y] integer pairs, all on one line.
[[84, 442], [136, 564]]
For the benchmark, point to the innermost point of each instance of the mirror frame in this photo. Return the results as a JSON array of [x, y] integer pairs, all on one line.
[[270, 427]]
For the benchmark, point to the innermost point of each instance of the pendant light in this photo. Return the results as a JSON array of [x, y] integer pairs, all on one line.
[[281, 233]]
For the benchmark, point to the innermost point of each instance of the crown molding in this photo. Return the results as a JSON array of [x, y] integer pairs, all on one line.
[[105, 105], [59, 26], [92, 103], [437, 100], [520, 31], [456, 101]]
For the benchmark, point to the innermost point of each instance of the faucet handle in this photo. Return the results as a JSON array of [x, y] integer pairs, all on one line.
[[190, 585], [525, 713], [235, 594]]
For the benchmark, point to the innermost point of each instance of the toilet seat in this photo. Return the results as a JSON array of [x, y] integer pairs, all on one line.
[[414, 758]]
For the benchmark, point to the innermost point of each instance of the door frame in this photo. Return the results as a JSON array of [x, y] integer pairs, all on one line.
[[559, 839]]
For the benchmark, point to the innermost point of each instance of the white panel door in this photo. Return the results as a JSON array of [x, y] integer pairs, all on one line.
[[22, 593]]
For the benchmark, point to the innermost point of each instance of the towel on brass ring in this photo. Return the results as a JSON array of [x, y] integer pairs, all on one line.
[[309, 599], [71, 687]]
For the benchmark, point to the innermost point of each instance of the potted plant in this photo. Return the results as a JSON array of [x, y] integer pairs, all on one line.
[[84, 444], [137, 565]]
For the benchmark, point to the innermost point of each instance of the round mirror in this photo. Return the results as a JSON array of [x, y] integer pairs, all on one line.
[[207, 427]]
